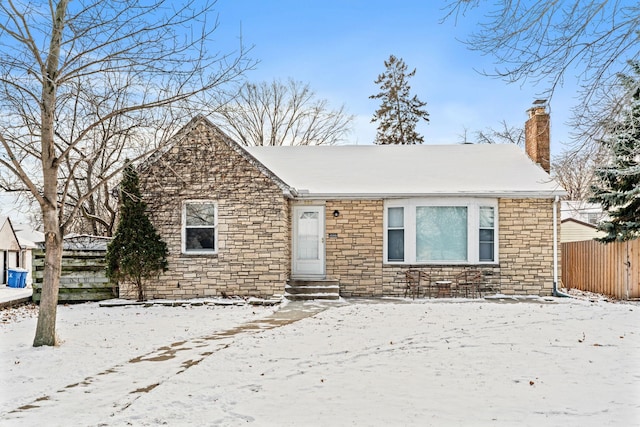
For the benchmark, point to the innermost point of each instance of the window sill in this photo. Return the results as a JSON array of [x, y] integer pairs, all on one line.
[[198, 255], [443, 264]]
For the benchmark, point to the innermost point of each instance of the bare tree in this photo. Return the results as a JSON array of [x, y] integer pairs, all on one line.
[[59, 65], [507, 134], [550, 41], [276, 113], [575, 170]]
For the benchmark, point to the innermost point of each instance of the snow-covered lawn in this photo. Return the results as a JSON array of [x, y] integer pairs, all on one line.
[[387, 362]]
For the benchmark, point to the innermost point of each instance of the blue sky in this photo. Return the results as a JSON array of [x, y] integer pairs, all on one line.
[[338, 47]]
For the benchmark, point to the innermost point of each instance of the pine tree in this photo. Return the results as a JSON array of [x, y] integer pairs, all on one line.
[[618, 183], [399, 112], [136, 253]]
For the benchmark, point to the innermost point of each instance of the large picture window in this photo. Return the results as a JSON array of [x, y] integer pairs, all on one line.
[[200, 222], [440, 231]]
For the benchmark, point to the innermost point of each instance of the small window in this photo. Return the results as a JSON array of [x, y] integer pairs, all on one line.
[[593, 218], [200, 227], [395, 235], [487, 233]]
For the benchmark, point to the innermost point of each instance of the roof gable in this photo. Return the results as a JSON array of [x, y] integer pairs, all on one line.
[[220, 136], [8, 238]]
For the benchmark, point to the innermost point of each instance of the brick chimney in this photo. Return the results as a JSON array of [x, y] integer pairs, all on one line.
[[537, 135]]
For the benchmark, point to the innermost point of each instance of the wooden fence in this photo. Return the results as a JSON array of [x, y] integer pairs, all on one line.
[[612, 269], [83, 276]]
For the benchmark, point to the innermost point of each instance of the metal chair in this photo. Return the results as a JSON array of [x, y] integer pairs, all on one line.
[[468, 283], [414, 280]]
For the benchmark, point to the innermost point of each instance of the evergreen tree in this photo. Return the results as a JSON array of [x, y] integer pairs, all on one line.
[[136, 253], [618, 182], [399, 112]]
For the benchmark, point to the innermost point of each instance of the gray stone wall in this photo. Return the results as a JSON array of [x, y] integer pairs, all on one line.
[[253, 256], [354, 246]]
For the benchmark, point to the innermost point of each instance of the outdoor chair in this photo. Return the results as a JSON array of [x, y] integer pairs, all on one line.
[[414, 280], [468, 283]]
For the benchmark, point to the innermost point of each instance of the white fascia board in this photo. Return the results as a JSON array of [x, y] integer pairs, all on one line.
[[381, 196]]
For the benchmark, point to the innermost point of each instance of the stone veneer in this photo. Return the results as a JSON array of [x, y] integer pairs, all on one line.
[[526, 246], [354, 253], [253, 256]]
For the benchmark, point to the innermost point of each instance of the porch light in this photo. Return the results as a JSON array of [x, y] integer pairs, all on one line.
[[336, 213]]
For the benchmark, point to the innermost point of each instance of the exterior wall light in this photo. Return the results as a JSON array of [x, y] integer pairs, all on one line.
[[336, 213]]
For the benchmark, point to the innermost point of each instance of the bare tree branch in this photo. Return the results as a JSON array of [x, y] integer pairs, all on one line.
[[87, 83], [276, 113], [548, 42]]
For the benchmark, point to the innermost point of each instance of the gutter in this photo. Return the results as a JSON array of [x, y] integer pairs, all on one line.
[[556, 292]]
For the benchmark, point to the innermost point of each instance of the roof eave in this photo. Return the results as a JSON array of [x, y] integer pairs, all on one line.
[[485, 194]]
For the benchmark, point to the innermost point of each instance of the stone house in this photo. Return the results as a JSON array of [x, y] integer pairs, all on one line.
[[247, 221]]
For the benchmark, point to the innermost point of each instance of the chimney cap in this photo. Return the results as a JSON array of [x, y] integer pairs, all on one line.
[[539, 102]]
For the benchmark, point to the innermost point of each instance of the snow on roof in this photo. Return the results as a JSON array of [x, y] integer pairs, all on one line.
[[28, 237], [487, 170], [85, 242]]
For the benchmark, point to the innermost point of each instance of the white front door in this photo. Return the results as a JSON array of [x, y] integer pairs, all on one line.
[[308, 241]]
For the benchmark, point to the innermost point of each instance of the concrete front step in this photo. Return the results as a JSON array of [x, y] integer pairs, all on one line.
[[296, 290], [310, 297]]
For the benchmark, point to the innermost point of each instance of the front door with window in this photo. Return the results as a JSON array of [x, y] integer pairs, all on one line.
[[308, 241]]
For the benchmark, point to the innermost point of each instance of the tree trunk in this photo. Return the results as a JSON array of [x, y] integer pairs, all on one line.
[[46, 328]]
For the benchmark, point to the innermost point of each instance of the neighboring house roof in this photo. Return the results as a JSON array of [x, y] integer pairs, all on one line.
[[488, 170], [28, 237], [581, 223]]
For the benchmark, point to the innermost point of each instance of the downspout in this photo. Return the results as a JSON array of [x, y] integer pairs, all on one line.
[[556, 292]]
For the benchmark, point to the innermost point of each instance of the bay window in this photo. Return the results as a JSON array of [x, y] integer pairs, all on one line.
[[441, 230]]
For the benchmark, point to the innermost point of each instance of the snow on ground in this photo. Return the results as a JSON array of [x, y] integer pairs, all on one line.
[[386, 362]]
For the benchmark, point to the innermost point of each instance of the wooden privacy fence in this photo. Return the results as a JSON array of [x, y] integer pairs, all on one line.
[[83, 276], [612, 269]]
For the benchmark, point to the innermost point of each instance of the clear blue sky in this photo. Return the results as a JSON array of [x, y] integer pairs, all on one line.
[[338, 47]]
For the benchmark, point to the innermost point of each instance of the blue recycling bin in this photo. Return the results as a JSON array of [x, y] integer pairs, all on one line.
[[23, 278], [13, 278], [17, 278]]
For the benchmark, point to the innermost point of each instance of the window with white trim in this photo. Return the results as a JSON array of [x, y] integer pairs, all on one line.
[[487, 234], [200, 227], [441, 231], [395, 234]]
